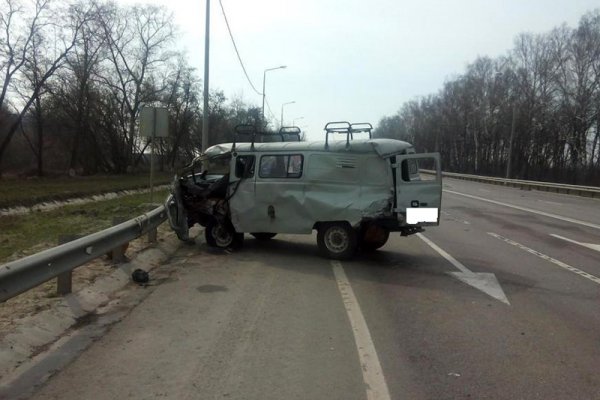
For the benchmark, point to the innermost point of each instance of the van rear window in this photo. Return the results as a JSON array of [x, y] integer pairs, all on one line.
[[333, 168]]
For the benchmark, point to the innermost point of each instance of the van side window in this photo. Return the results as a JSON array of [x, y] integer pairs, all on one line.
[[281, 166], [244, 167]]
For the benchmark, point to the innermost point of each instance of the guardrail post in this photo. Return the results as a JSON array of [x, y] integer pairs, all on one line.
[[153, 235], [118, 253], [64, 281]]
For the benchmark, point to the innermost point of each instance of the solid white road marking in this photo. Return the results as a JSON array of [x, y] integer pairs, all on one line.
[[567, 219], [548, 258], [484, 281], [373, 377], [588, 245]]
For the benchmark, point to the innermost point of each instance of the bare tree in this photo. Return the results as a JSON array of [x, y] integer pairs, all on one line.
[[183, 103], [66, 37], [534, 113], [139, 43]]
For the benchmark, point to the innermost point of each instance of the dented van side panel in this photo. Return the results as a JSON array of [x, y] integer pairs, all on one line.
[[332, 187]]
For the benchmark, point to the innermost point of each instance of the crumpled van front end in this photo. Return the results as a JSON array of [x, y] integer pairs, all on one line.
[[197, 191]]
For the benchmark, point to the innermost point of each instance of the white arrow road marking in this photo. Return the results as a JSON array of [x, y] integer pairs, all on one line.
[[588, 245], [545, 214], [375, 385], [484, 281], [548, 258]]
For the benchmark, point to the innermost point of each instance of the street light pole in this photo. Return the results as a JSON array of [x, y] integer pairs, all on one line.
[[206, 54], [284, 104], [263, 92]]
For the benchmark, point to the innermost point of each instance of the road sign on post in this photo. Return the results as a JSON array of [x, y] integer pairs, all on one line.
[[154, 122]]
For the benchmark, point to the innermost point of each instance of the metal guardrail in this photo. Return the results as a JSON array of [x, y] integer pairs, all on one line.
[[21, 275], [585, 191]]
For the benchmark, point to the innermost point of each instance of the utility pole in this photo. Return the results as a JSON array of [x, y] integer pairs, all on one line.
[[206, 59]]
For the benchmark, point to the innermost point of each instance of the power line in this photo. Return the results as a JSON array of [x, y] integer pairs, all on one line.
[[236, 49]]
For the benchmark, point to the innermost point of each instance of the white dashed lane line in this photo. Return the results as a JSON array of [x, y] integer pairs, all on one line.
[[552, 202], [545, 214], [554, 261]]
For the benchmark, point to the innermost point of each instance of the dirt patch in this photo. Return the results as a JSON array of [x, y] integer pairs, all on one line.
[[44, 296]]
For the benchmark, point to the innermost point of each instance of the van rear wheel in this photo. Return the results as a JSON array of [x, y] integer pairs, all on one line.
[[223, 235], [372, 237], [336, 240]]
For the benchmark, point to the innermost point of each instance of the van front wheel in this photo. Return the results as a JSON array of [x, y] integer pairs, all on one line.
[[223, 235], [337, 240]]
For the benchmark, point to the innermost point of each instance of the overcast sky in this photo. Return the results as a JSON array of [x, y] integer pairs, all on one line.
[[355, 60]]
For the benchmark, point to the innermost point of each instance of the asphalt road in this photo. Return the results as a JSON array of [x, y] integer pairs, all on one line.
[[276, 321]]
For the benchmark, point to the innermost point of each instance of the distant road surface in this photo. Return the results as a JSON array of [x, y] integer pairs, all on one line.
[[276, 321]]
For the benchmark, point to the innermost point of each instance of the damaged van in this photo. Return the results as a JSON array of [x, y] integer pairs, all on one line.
[[352, 189]]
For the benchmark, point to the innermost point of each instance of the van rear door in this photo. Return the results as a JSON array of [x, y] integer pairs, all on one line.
[[418, 188]]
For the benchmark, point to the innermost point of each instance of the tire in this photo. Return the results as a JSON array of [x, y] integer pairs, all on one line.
[[337, 240], [223, 235], [263, 235], [372, 237]]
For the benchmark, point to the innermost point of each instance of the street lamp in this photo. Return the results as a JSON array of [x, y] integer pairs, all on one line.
[[263, 93], [284, 104], [206, 62], [296, 119]]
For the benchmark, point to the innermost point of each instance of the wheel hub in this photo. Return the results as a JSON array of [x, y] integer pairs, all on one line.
[[222, 236], [336, 239]]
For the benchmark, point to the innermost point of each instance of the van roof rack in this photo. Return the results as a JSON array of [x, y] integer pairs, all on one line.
[[358, 127], [345, 127], [258, 136], [285, 131]]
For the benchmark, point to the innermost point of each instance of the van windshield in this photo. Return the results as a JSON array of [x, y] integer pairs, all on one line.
[[217, 165]]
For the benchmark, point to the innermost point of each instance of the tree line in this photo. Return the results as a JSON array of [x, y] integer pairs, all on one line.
[[533, 113], [74, 76]]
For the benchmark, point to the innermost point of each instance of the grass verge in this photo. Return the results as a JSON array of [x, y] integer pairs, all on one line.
[[30, 233], [27, 192]]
